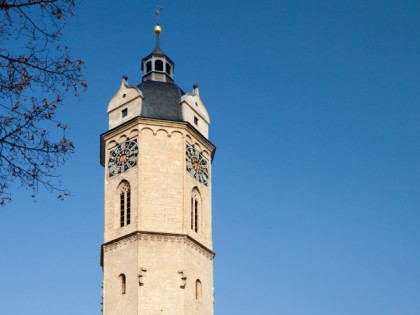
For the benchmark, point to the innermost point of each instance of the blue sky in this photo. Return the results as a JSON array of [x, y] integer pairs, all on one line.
[[315, 110]]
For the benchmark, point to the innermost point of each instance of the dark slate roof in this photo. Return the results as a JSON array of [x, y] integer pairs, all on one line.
[[157, 51], [161, 100]]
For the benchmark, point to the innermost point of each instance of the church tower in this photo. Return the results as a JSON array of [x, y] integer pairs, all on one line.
[[157, 254]]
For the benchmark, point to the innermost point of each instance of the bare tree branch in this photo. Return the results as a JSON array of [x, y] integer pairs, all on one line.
[[34, 80], [16, 4]]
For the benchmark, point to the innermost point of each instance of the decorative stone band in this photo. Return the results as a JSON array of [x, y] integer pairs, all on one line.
[[158, 237]]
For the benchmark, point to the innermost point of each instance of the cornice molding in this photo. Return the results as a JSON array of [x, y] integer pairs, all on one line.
[[157, 123], [158, 237], [136, 121]]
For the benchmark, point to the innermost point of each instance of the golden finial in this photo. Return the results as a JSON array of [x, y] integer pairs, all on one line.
[[158, 29]]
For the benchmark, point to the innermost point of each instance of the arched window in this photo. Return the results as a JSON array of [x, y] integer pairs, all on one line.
[[195, 209], [192, 213], [196, 215], [148, 66], [125, 203], [158, 65], [123, 283], [198, 290], [168, 68]]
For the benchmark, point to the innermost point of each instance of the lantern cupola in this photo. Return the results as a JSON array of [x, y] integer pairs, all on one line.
[[157, 66]]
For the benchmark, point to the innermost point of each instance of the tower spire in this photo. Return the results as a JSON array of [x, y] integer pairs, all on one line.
[[157, 66], [158, 29]]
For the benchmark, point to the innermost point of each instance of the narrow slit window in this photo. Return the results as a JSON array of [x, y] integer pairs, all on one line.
[[195, 120], [122, 208], [198, 290], [123, 283], [192, 213], [196, 215], [124, 112], [195, 210], [128, 207]]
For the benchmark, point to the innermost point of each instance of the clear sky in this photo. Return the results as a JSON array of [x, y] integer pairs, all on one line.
[[315, 110]]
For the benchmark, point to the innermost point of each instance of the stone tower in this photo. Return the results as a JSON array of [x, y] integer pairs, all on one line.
[[157, 254]]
